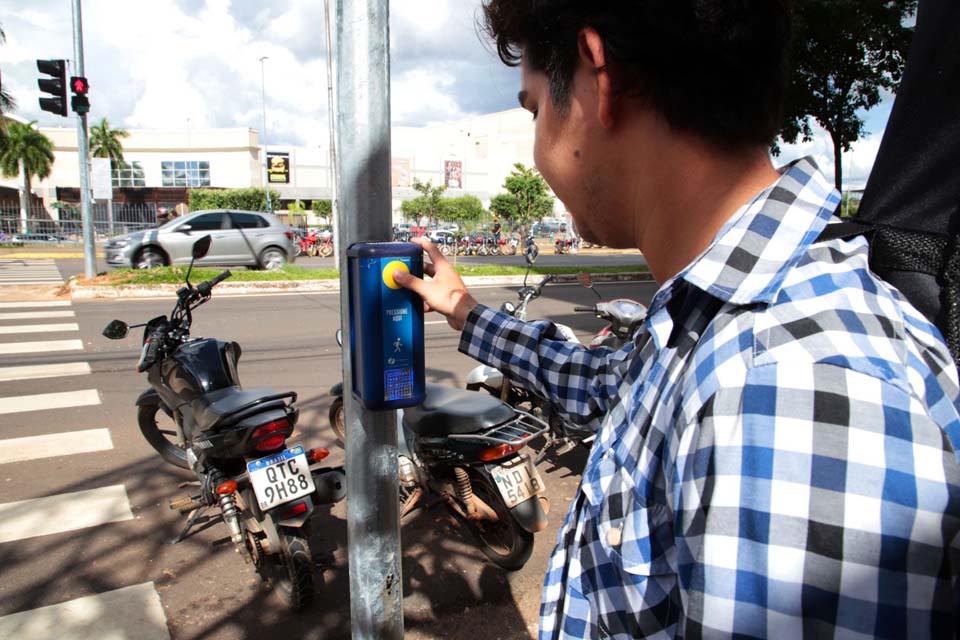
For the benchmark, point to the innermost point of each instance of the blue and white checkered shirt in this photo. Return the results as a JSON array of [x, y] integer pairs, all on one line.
[[776, 454]]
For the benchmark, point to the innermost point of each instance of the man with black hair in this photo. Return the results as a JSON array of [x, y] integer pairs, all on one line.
[[776, 451]]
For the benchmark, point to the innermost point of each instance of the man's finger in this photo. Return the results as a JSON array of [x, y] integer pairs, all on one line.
[[409, 281], [431, 249], [429, 269]]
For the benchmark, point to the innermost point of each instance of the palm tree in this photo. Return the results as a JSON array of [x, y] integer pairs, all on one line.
[[27, 152], [7, 103], [105, 142]]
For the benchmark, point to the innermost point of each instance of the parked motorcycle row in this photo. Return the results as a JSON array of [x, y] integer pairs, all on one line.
[[313, 243], [466, 450]]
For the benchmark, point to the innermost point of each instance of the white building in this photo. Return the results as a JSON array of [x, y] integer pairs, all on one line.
[[472, 156]]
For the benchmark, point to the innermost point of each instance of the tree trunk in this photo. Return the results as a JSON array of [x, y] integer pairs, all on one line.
[[24, 196], [837, 161]]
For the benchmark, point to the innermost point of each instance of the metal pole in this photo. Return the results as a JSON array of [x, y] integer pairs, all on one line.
[[83, 152], [363, 131], [331, 119], [263, 104]]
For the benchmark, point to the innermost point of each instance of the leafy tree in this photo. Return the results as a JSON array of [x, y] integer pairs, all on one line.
[[7, 103], [251, 199], [527, 199], [24, 149], [463, 210], [843, 53], [323, 209], [105, 142], [430, 204]]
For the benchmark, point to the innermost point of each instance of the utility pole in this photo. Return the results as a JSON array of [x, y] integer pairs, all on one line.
[[363, 131], [332, 121], [83, 150], [266, 161]]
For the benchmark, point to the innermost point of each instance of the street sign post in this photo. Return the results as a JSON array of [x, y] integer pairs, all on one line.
[[364, 193]]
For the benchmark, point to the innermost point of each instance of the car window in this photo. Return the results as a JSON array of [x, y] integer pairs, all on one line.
[[206, 222], [247, 220]]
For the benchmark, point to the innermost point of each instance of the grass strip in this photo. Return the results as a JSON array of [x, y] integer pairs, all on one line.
[[175, 275]]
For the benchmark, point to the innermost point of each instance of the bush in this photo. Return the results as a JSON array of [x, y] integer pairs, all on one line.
[[251, 199]]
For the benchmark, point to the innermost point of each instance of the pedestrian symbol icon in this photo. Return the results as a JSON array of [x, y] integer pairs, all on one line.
[[397, 346]]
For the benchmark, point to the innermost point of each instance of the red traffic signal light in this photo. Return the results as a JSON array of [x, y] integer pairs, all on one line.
[[55, 85], [79, 85]]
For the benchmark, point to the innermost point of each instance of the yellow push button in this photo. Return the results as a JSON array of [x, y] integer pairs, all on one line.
[[388, 273]]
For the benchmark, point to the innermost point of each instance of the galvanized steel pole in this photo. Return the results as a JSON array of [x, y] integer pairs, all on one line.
[[332, 121], [83, 155], [365, 199], [266, 161]]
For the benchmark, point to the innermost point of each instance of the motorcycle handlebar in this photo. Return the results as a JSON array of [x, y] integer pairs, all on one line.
[[587, 309], [205, 287]]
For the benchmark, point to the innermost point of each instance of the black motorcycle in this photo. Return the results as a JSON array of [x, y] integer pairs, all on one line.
[[462, 448], [234, 440]]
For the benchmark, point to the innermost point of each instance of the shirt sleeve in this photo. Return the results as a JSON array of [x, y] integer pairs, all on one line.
[[580, 383], [806, 501]]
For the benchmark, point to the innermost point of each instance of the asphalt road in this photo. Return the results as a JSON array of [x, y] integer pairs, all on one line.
[[206, 591]]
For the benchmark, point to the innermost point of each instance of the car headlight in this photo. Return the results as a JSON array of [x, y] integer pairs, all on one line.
[[116, 244]]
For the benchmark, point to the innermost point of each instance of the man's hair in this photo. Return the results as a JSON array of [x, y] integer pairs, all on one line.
[[716, 68]]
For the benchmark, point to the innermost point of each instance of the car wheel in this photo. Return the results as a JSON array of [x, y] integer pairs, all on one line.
[[272, 259], [148, 258]]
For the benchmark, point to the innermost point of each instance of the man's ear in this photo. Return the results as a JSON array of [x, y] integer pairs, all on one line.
[[593, 58]]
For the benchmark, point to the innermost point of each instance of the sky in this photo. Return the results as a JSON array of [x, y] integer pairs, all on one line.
[[196, 64]]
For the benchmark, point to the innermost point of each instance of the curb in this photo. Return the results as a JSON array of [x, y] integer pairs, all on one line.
[[310, 286]]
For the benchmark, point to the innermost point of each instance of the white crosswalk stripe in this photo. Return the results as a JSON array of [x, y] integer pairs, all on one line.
[[36, 315], [131, 613], [53, 445], [38, 304], [37, 371], [63, 512], [11, 348], [14, 271], [43, 401], [39, 328]]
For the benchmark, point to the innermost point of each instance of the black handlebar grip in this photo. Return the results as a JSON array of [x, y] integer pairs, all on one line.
[[588, 309], [220, 278], [204, 288]]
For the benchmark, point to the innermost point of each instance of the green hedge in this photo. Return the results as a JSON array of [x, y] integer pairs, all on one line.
[[251, 199]]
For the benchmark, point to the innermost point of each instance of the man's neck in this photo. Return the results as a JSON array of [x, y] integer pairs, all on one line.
[[697, 189]]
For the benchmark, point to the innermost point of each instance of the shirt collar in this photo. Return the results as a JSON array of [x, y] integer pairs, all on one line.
[[751, 255]]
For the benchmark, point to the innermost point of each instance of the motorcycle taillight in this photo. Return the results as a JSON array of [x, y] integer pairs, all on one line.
[[270, 436]]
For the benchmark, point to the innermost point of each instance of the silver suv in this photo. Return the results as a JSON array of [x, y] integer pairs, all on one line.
[[246, 238]]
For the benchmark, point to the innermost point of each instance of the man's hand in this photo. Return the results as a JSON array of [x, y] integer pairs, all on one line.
[[446, 293]]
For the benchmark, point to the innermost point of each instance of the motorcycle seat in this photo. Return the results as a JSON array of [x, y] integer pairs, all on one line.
[[233, 404], [447, 411]]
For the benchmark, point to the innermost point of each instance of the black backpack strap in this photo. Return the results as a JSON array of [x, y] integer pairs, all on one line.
[[845, 229]]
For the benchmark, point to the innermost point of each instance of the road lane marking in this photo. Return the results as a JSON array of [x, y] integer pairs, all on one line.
[[130, 613], [63, 512], [35, 315], [38, 304], [36, 371], [53, 445], [39, 328], [8, 348], [41, 401]]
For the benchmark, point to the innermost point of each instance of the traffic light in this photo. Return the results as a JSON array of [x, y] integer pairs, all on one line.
[[79, 102], [55, 85]]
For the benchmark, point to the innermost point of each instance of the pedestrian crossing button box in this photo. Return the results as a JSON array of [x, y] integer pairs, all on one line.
[[386, 325]]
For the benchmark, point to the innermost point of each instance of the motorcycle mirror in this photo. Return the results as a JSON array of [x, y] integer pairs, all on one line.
[[116, 330], [586, 280], [532, 252], [340, 337], [201, 247]]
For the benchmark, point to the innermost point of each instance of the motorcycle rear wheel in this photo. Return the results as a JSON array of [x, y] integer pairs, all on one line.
[[326, 250], [290, 572], [162, 439], [336, 420], [505, 543]]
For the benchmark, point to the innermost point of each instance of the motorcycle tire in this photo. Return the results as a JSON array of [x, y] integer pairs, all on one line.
[[495, 251], [444, 249], [336, 420], [511, 251], [505, 543], [297, 250], [290, 572], [326, 250], [313, 251], [163, 440]]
